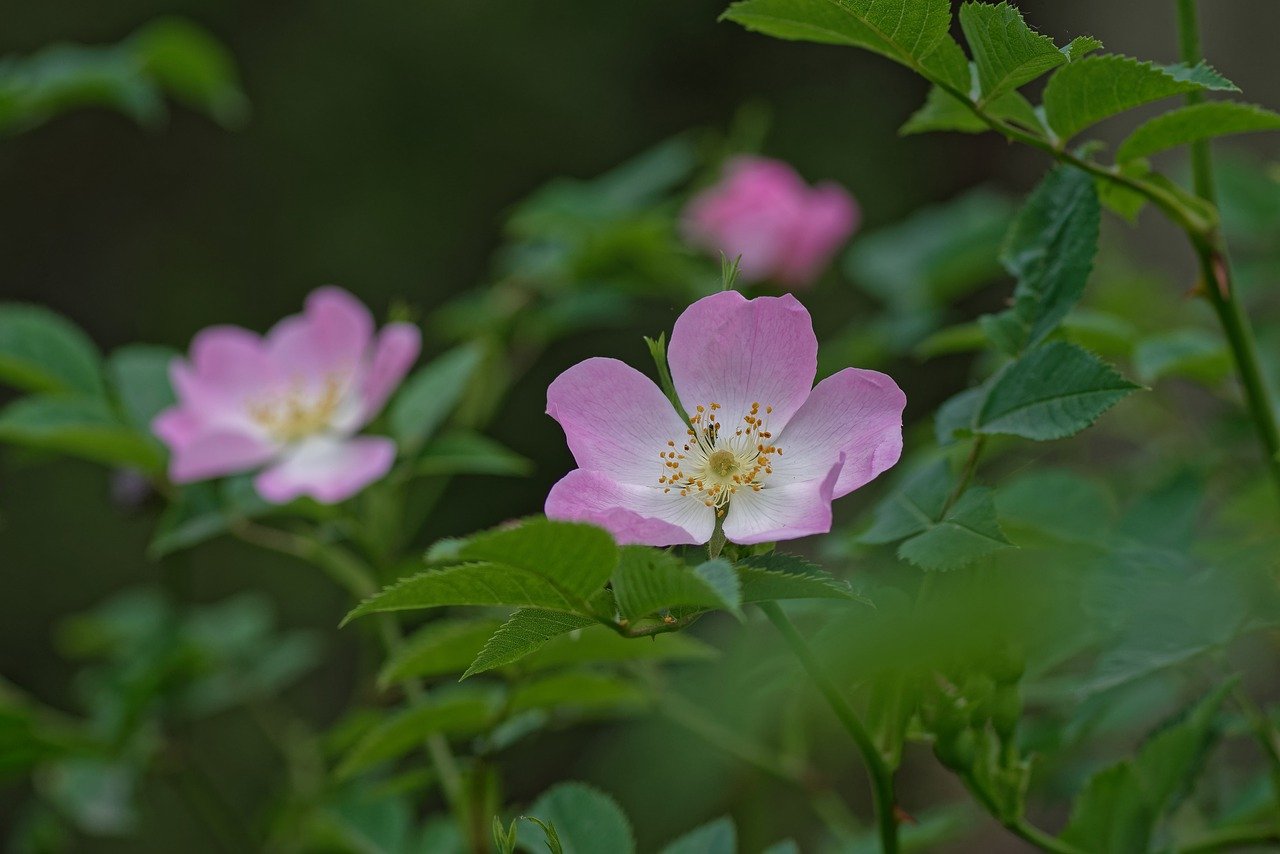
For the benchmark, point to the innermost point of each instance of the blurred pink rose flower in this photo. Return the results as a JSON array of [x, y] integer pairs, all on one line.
[[290, 401], [762, 210], [768, 451]]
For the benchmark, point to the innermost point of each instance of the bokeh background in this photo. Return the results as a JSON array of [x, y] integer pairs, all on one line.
[[386, 143]]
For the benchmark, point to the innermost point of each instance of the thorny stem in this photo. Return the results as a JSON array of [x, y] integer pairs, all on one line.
[[1215, 269], [879, 773]]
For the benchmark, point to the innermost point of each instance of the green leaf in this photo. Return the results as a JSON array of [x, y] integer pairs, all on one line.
[[202, 511], [139, 374], [1080, 47], [768, 578], [717, 837], [463, 714], [943, 111], [1170, 759], [1085, 92], [601, 645], [1195, 354], [1111, 815], [954, 418], [1006, 51], [43, 351], [81, 427], [577, 557], [586, 820], [192, 66], [1055, 506], [579, 691], [467, 452], [647, 581], [1119, 199], [1193, 123], [428, 397], [522, 634], [1051, 392], [1050, 249], [470, 584], [439, 647], [968, 531], [912, 32]]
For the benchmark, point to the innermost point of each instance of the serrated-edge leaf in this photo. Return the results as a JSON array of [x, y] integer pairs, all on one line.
[[1080, 47], [1193, 123], [440, 646], [523, 633], [760, 583], [573, 555], [1067, 406], [715, 837], [968, 531], [647, 581], [568, 805], [400, 732], [479, 583], [1007, 52], [1086, 91]]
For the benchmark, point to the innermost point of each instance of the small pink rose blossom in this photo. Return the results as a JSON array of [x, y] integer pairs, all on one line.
[[767, 451], [291, 401], [763, 211]]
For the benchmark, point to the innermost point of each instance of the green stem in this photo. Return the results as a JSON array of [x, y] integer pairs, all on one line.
[[966, 474], [1263, 730], [1215, 269], [879, 773]]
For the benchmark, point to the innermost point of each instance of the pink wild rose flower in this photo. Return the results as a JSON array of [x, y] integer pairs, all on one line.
[[762, 210], [767, 450], [291, 401]]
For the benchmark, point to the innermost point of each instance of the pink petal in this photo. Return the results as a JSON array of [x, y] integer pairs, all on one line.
[[828, 218], [854, 413], [782, 512], [733, 351], [633, 514], [327, 469], [330, 337], [394, 353], [615, 420], [215, 454], [227, 364], [177, 427]]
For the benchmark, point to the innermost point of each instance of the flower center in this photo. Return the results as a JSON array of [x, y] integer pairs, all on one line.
[[300, 411], [716, 461]]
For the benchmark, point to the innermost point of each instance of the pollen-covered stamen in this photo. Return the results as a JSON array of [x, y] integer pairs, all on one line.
[[715, 462], [299, 411]]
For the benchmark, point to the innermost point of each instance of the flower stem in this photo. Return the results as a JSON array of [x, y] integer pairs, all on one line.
[[879, 773]]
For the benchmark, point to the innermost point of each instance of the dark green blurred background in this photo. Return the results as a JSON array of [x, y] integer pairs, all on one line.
[[386, 142]]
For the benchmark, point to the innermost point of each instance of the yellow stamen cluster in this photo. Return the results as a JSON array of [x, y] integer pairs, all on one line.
[[299, 412], [714, 463]]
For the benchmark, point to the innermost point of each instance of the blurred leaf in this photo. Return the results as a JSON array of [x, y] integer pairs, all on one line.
[[428, 396], [1006, 51], [717, 837], [911, 32], [440, 647], [524, 633], [767, 578], [1168, 762], [80, 427], [576, 556], [1194, 354], [462, 713], [193, 67], [139, 375], [202, 511], [1049, 250], [1110, 816], [578, 691], [1085, 92], [465, 452], [1193, 123], [934, 256], [586, 820], [43, 351], [647, 581], [962, 338], [1099, 332], [1119, 199], [1056, 506], [98, 795], [1052, 392]]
